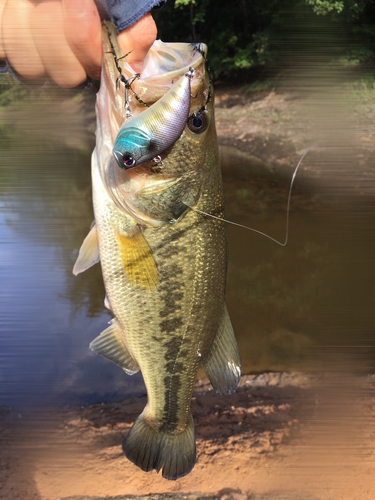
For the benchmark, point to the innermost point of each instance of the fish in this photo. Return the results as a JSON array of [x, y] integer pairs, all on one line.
[[155, 169]]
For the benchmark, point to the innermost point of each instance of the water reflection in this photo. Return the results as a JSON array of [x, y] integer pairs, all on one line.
[[292, 308], [49, 316], [308, 305]]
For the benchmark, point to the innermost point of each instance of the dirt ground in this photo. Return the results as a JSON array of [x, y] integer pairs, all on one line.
[[280, 436], [278, 125]]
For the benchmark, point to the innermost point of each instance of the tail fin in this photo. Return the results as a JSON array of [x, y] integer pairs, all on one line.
[[150, 448]]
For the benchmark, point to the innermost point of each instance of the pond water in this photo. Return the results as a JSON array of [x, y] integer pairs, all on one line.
[[309, 305]]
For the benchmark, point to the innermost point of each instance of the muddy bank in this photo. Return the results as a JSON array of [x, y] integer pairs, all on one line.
[[280, 436], [277, 126]]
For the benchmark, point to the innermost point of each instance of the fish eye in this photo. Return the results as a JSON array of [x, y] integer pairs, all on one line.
[[197, 123]]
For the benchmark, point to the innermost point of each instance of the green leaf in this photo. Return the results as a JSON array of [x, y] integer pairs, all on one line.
[[183, 3]]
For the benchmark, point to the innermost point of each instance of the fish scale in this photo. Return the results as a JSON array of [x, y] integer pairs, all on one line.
[[163, 263]]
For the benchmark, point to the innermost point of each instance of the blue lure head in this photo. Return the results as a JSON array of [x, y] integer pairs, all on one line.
[[132, 145], [157, 128]]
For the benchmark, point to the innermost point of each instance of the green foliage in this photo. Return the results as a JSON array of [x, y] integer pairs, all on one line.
[[182, 3], [323, 7], [260, 85], [243, 34], [11, 91], [357, 18], [237, 32], [364, 86], [349, 9]]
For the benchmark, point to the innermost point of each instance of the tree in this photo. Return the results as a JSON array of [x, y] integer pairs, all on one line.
[[244, 34]]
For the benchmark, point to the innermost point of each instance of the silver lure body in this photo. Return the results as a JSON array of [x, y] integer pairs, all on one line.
[[147, 135]]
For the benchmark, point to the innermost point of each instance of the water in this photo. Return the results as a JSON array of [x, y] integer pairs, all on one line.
[[306, 306], [48, 316]]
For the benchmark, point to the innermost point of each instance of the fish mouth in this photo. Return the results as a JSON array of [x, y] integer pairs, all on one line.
[[164, 64], [124, 94]]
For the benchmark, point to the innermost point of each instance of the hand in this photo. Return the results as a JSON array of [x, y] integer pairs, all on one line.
[[62, 38]]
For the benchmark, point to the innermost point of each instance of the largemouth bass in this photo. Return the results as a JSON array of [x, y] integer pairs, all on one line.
[[154, 169]]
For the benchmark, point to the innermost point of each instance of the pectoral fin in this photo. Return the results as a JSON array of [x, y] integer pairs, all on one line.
[[137, 260], [88, 253], [110, 345], [107, 305], [222, 364]]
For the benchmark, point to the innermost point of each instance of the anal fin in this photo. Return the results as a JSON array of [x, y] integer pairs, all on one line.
[[110, 345], [222, 364], [88, 253]]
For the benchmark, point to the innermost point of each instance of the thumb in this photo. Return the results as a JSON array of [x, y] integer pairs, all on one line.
[[138, 39]]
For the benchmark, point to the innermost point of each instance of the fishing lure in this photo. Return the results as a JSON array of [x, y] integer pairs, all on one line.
[[156, 129]]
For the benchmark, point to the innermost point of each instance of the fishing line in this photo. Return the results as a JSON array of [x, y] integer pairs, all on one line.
[[283, 244], [121, 78]]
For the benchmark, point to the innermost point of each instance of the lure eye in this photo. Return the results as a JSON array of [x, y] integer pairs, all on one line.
[[197, 123], [128, 161], [125, 160]]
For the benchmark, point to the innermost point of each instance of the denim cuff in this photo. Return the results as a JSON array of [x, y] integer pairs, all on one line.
[[125, 13]]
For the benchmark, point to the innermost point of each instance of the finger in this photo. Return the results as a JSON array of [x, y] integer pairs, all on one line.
[[138, 39], [82, 27], [18, 42], [58, 58], [2, 48]]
